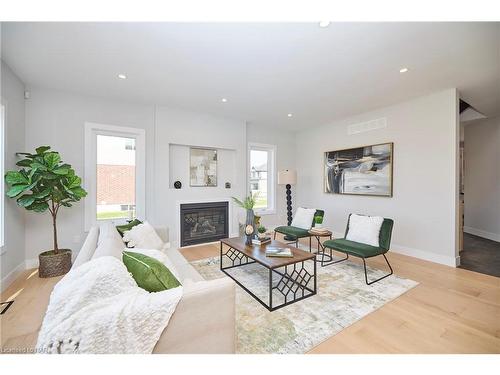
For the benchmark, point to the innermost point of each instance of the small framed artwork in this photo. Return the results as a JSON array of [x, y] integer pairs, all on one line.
[[203, 167], [365, 170]]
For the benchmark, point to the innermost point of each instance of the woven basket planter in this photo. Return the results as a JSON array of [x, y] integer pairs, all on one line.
[[54, 264]]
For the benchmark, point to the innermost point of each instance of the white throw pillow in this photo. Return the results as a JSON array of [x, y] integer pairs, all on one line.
[[143, 236], [88, 247], [303, 218], [365, 229], [159, 256]]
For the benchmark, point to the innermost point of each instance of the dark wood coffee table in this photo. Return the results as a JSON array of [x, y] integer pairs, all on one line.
[[292, 281]]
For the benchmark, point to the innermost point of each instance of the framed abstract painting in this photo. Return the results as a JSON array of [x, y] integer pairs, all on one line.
[[203, 167], [365, 170]]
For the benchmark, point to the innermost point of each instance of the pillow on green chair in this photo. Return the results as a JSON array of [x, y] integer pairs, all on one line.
[[149, 273], [123, 228]]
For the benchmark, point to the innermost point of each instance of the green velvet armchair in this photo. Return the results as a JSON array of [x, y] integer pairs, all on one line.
[[362, 250], [293, 234]]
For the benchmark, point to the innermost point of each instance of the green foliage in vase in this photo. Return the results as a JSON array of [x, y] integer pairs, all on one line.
[[44, 183], [262, 229], [248, 203], [318, 219]]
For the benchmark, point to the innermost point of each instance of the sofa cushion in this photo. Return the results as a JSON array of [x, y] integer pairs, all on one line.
[[88, 248], [293, 231], [108, 230], [188, 272], [176, 257], [354, 248], [109, 243], [123, 228], [149, 274]]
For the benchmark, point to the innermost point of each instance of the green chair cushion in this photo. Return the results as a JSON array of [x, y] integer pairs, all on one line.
[[354, 248], [293, 231], [149, 274], [123, 228]]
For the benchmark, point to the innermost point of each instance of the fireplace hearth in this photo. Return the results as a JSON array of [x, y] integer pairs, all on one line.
[[203, 222]]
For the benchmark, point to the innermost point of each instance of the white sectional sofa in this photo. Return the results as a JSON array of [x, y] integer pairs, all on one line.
[[204, 320]]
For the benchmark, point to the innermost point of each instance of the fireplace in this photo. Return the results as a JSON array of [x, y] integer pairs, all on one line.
[[203, 222]]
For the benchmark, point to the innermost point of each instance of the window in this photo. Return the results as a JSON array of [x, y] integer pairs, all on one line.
[[262, 174], [2, 165], [114, 174], [115, 177]]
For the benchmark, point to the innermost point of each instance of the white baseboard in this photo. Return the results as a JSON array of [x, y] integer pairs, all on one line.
[[483, 233], [9, 279], [426, 255], [417, 253], [31, 263]]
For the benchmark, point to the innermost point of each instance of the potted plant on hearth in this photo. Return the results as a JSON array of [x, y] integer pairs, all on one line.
[[44, 183]]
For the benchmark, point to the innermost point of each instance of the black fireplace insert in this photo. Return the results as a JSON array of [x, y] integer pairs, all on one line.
[[204, 222]]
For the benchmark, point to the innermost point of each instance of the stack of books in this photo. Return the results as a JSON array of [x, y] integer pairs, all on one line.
[[315, 230], [284, 252], [261, 241]]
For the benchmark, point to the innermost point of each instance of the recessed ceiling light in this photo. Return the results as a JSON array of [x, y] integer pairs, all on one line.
[[122, 76], [403, 70], [289, 115], [324, 23], [223, 100]]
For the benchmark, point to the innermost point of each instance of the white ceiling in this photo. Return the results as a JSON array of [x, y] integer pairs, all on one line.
[[265, 70]]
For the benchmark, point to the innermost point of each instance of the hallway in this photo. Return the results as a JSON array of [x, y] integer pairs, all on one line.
[[480, 255]]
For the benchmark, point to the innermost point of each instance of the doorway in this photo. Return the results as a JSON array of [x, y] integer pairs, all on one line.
[[480, 195]]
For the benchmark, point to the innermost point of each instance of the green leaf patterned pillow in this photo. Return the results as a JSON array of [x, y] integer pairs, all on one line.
[[123, 228], [149, 274]]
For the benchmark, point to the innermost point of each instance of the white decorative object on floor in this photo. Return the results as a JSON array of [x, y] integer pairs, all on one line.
[[98, 308], [303, 218], [364, 229], [143, 236]]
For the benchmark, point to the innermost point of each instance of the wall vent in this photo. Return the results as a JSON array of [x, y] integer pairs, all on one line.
[[367, 126]]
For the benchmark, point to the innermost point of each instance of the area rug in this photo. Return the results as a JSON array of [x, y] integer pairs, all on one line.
[[342, 299]]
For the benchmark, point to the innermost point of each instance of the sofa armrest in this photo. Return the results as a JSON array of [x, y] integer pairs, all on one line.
[[204, 320], [162, 232]]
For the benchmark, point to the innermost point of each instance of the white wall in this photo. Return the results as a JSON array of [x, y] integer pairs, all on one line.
[[176, 128], [424, 206], [424, 132], [57, 119], [482, 178], [285, 159], [12, 95]]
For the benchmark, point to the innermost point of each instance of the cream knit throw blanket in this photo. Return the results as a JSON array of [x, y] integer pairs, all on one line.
[[98, 308]]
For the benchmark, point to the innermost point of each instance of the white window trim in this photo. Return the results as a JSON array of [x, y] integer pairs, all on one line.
[[90, 174], [3, 120], [271, 176]]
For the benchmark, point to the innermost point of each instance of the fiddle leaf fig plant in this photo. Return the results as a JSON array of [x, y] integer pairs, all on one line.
[[44, 183]]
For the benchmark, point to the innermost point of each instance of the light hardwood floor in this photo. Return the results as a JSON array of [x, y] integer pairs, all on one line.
[[451, 311]]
